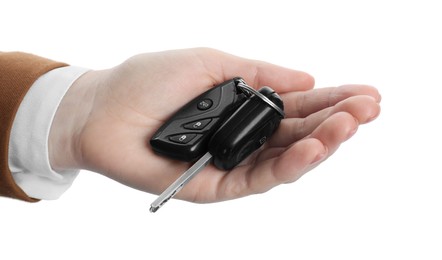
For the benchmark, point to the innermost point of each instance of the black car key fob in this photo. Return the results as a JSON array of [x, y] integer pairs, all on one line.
[[232, 116], [186, 134], [223, 125]]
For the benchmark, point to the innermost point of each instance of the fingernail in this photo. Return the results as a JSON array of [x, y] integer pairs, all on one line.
[[351, 133], [372, 118], [379, 99], [376, 115], [320, 156]]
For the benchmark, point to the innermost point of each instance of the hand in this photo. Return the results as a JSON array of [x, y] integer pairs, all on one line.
[[106, 119]]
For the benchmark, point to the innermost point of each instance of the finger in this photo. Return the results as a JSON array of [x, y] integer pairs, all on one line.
[[256, 73], [302, 104], [335, 130], [362, 108], [263, 176]]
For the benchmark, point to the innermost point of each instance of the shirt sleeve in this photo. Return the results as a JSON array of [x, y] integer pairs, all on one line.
[[28, 145]]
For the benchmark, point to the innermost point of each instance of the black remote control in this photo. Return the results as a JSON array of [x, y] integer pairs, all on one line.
[[186, 134]]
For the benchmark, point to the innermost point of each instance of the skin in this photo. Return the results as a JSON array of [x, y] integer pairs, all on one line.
[[106, 119]]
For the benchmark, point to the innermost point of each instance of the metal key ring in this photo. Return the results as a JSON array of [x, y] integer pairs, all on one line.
[[243, 85]]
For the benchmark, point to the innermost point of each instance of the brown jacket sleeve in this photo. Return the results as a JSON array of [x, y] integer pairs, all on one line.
[[18, 71]]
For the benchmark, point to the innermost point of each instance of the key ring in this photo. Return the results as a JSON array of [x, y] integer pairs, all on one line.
[[247, 89]]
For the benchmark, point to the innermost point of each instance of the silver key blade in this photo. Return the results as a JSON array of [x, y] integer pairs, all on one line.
[[177, 185]]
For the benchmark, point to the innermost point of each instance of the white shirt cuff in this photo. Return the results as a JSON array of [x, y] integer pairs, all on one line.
[[28, 144]]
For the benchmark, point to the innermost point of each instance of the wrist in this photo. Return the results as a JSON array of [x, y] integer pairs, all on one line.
[[69, 121]]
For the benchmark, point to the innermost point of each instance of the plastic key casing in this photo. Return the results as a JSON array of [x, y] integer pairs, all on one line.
[[246, 130], [186, 134]]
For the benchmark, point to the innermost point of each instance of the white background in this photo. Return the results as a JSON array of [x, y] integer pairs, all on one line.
[[378, 197]]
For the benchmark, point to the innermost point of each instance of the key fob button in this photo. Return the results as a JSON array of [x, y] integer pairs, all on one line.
[[182, 138], [205, 104], [197, 125]]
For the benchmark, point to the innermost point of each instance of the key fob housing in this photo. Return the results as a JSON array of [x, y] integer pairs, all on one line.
[[246, 130], [186, 134]]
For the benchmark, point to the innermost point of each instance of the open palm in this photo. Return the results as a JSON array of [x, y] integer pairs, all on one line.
[[131, 101]]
